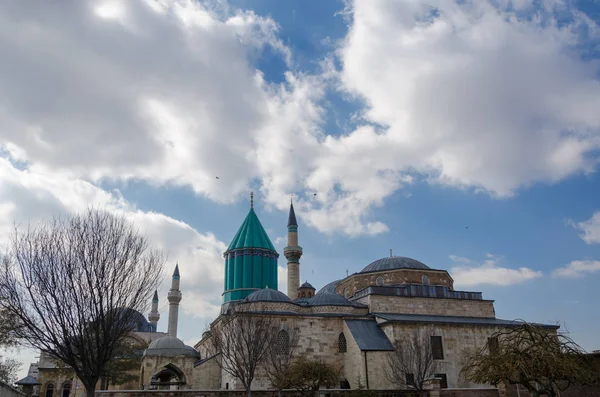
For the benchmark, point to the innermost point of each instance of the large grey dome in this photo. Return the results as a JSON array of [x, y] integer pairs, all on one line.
[[170, 346], [394, 262], [267, 295], [329, 299], [329, 288]]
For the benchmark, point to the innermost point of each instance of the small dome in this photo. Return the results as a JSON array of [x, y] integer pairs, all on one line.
[[267, 295], [170, 346], [329, 288], [306, 285], [329, 299], [394, 262]]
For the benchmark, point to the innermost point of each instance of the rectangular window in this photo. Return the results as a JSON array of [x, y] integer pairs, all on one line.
[[410, 379], [437, 349], [443, 380]]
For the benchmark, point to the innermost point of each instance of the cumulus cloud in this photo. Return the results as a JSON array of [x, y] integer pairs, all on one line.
[[576, 269], [27, 196], [590, 229], [469, 273], [167, 92]]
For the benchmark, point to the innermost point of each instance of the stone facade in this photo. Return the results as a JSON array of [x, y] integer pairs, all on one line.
[[429, 306]]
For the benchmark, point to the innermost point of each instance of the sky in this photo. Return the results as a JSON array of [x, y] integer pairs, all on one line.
[[464, 134]]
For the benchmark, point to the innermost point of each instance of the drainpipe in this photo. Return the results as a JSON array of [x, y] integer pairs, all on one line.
[[366, 370]]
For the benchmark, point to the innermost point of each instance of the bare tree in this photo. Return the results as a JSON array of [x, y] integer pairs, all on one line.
[[279, 357], [8, 369], [243, 340], [541, 360], [411, 364], [9, 325], [76, 285]]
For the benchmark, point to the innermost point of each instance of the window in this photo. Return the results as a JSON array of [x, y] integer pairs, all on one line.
[[282, 344], [443, 380], [342, 343], [379, 281], [492, 344], [49, 389], [410, 379], [66, 389], [437, 349], [425, 280]]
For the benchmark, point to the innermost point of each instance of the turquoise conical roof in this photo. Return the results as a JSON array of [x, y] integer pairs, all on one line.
[[251, 234]]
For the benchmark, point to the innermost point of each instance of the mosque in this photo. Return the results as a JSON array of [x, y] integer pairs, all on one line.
[[352, 323]]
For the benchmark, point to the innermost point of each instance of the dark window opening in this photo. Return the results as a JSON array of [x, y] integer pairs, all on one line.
[[437, 349], [410, 379], [443, 380], [342, 348], [492, 344], [282, 344], [49, 390]]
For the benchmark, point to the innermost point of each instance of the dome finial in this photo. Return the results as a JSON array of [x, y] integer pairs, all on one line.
[[251, 200]]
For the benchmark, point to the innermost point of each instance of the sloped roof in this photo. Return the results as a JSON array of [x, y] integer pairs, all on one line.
[[28, 380], [369, 336], [251, 234], [420, 318]]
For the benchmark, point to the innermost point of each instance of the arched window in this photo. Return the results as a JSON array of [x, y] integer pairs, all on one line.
[[282, 343], [379, 281], [49, 389], [66, 389], [342, 343], [425, 280]]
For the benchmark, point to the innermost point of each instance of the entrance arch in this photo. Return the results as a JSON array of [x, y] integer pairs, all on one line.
[[169, 377]]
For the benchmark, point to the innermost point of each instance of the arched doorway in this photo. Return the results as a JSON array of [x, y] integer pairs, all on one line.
[[168, 377]]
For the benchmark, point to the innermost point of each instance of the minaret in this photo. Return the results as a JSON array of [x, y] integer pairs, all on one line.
[[293, 252], [154, 315], [174, 297]]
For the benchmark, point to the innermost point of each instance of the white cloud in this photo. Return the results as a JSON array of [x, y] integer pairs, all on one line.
[[575, 269], [590, 229], [27, 196], [167, 93], [468, 273]]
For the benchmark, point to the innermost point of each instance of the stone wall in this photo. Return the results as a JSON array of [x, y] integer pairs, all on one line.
[[429, 306], [468, 393], [573, 391], [456, 339], [358, 281], [7, 390]]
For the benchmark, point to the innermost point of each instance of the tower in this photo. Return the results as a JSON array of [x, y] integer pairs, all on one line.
[[174, 297], [292, 253], [154, 315], [250, 260]]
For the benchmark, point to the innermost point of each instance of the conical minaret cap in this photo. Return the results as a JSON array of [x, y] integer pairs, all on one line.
[[155, 297], [292, 217], [176, 272]]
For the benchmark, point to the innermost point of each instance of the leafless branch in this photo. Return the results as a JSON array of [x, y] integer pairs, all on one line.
[[412, 357]]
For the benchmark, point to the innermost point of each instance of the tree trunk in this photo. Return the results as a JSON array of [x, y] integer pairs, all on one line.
[[249, 390], [90, 392]]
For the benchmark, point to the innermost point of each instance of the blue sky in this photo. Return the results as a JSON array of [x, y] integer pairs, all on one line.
[[465, 135]]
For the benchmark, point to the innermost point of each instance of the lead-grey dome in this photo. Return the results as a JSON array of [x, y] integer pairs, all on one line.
[[170, 346], [267, 295], [329, 288], [307, 285], [394, 262], [329, 299]]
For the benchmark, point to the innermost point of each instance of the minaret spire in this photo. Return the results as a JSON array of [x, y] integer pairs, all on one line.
[[154, 315], [174, 297], [293, 252], [251, 200]]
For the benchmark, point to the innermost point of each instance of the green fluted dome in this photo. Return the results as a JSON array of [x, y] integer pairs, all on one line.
[[251, 235], [250, 261]]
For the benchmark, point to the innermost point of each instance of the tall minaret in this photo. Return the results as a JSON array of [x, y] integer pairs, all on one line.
[[174, 297], [154, 315], [293, 252]]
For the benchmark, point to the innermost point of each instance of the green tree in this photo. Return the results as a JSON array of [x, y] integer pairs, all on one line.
[[309, 375], [539, 359]]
